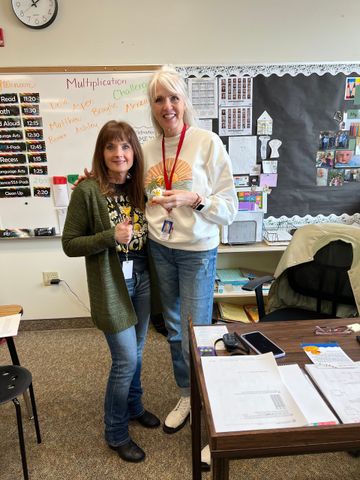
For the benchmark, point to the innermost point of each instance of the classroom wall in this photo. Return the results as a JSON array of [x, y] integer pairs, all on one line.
[[88, 32]]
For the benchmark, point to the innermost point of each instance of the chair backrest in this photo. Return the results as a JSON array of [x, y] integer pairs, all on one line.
[[326, 277]]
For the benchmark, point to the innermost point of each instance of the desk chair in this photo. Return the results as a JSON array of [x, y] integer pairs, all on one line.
[[14, 381], [13, 310], [321, 286]]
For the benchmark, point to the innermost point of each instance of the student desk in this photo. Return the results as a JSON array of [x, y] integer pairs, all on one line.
[[273, 442], [11, 310]]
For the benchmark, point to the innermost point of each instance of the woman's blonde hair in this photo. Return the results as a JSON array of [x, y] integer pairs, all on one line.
[[123, 132], [170, 79]]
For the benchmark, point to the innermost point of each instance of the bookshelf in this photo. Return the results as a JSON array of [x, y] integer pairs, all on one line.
[[253, 257]]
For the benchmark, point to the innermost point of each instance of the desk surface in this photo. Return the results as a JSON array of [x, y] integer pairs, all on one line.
[[284, 441], [10, 310]]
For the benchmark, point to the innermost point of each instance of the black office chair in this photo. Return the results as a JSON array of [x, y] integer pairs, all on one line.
[[14, 381], [319, 286]]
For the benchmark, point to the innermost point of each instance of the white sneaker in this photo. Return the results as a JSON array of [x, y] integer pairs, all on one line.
[[177, 417], [205, 459]]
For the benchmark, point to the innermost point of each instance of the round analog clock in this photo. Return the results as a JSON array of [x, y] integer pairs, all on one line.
[[35, 13]]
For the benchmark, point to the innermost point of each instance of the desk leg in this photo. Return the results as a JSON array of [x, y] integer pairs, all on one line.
[[195, 424], [220, 468], [15, 360], [12, 349]]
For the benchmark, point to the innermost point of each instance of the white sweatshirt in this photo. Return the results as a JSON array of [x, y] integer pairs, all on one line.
[[203, 167]]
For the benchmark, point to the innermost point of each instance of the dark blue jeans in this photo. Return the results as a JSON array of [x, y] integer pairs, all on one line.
[[186, 284], [123, 393]]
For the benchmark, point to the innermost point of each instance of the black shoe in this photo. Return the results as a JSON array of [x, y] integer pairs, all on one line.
[[205, 467], [130, 452], [148, 420]]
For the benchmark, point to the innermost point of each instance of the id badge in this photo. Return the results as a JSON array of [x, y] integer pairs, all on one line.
[[127, 267], [166, 229]]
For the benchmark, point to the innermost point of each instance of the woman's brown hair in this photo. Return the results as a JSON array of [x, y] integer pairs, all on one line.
[[120, 131]]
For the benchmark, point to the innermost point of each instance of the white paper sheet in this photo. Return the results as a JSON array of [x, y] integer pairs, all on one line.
[[235, 121], [247, 393], [235, 91], [61, 212], [306, 396], [327, 355], [242, 151], [204, 96], [341, 387], [207, 335], [205, 123], [9, 325]]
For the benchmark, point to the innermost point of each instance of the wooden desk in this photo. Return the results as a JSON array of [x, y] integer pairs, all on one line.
[[273, 442]]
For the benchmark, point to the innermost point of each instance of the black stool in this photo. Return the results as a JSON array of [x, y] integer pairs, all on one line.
[[14, 381]]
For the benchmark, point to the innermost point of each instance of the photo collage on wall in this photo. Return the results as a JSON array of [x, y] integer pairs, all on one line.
[[230, 101], [338, 155]]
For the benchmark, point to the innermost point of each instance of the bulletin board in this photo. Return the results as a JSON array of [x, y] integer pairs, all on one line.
[[50, 118], [303, 100], [303, 107]]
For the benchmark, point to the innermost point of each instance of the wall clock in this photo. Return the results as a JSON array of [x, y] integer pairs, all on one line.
[[35, 13]]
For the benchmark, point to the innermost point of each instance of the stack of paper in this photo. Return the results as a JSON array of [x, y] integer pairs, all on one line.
[[341, 387], [277, 237], [251, 392], [229, 311], [231, 276], [9, 325], [252, 312], [306, 396]]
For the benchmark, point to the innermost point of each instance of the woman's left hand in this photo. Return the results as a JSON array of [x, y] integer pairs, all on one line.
[[174, 198]]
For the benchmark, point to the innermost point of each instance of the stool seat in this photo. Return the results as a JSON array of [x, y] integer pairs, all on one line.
[[14, 381]]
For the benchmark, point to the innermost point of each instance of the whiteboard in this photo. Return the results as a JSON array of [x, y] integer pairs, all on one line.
[[60, 114]]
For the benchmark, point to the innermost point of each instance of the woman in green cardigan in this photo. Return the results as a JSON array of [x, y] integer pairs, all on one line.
[[105, 223]]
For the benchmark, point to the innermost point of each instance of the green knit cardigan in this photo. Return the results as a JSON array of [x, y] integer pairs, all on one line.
[[87, 232]]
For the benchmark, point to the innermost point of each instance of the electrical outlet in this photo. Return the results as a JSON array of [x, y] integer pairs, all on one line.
[[48, 276]]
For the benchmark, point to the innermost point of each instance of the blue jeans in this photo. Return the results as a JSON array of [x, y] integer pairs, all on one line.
[[123, 393], [186, 283]]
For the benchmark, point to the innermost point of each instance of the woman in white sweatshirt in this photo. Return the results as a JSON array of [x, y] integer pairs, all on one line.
[[190, 189]]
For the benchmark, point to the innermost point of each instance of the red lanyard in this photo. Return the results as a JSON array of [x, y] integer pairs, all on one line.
[[167, 180]]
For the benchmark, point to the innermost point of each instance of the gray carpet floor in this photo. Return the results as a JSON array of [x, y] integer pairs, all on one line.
[[70, 368]]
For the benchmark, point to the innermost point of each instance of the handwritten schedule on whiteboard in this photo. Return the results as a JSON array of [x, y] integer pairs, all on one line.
[[48, 126]]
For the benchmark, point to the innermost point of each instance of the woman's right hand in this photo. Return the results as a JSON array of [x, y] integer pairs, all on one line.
[[124, 231], [80, 178]]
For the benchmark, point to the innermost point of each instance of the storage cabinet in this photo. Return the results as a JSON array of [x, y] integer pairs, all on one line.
[[252, 257]]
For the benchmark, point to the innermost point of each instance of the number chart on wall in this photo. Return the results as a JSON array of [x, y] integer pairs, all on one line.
[[48, 127]]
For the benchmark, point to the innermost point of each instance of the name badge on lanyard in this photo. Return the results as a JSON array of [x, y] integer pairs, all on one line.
[[168, 225], [166, 229], [127, 268]]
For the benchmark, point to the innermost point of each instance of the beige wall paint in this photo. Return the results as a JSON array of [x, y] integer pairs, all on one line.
[[114, 32]]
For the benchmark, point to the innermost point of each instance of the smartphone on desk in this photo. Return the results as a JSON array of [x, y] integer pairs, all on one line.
[[260, 343]]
